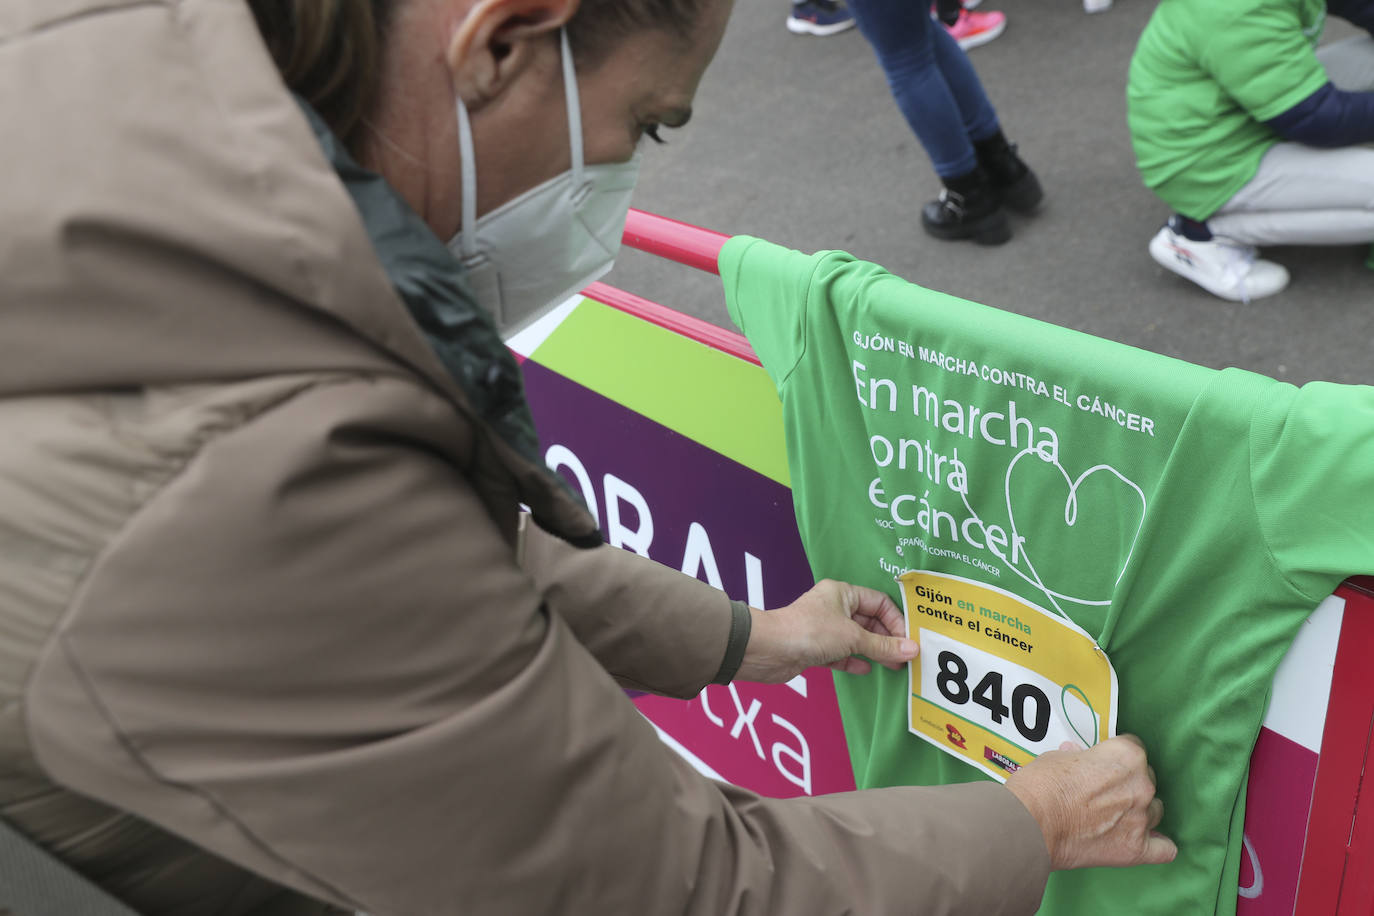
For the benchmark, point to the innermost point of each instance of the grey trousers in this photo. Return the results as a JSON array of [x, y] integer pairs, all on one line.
[[1303, 195]]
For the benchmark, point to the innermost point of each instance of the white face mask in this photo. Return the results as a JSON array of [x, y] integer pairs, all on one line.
[[534, 251]]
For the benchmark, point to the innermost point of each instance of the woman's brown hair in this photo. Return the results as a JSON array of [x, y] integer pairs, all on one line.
[[599, 25], [330, 51]]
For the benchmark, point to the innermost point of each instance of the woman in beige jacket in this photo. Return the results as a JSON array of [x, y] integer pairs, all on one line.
[[271, 637]]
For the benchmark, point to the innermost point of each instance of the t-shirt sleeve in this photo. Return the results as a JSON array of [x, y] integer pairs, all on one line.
[[1312, 461], [1264, 61], [766, 293], [775, 294]]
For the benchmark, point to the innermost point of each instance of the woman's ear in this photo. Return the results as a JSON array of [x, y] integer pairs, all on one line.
[[496, 41]]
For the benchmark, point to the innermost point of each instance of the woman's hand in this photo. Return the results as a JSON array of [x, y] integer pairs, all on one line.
[[829, 625], [1096, 807]]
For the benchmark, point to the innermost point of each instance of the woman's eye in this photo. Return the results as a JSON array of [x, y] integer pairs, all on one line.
[[651, 130]]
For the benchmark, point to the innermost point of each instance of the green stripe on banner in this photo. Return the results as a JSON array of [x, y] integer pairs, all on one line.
[[718, 400]]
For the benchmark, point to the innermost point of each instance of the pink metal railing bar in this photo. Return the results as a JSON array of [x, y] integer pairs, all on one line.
[[674, 240], [686, 244]]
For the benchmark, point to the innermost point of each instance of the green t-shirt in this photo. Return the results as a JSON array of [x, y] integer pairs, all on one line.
[[1204, 77], [1188, 519]]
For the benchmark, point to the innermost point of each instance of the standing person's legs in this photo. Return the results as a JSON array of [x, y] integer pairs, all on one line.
[[944, 104], [980, 120], [904, 39]]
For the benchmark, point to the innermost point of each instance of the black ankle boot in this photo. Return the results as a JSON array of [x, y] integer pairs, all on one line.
[[968, 208], [1011, 177]]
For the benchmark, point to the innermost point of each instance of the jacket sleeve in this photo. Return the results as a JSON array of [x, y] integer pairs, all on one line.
[[1329, 117], [652, 627], [311, 653], [1356, 12]]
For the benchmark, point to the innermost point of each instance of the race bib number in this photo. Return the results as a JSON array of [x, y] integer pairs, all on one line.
[[998, 680]]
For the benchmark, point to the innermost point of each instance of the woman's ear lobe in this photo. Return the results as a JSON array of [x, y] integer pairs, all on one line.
[[494, 42]]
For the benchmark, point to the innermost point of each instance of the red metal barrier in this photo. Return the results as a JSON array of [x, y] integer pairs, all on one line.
[[674, 240], [1336, 876], [685, 244]]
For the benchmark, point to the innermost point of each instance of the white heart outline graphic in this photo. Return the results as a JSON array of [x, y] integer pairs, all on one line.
[[1070, 518], [1070, 515]]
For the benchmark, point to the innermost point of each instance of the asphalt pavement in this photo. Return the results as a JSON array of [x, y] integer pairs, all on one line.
[[796, 139]]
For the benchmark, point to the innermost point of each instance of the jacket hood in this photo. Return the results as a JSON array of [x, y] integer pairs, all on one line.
[[171, 216]]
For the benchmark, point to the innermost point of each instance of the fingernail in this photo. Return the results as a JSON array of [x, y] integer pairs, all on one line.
[[908, 647]]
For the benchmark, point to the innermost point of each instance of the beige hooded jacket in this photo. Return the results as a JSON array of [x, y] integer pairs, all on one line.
[[265, 642]]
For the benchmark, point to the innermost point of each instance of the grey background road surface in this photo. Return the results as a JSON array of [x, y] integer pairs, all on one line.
[[796, 139]]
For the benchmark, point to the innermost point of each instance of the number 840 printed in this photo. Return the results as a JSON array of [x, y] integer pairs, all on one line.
[[1005, 697]]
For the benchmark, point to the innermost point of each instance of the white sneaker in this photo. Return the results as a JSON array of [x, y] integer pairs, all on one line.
[[1222, 267]]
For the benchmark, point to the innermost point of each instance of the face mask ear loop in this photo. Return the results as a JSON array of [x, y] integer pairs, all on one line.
[[467, 168], [574, 107]]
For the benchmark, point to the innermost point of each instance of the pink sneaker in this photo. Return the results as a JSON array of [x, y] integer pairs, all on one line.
[[974, 29]]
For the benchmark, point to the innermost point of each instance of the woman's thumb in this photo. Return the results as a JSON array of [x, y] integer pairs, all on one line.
[[890, 651]]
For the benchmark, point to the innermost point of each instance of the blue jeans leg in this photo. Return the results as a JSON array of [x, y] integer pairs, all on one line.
[[931, 80]]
